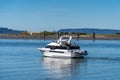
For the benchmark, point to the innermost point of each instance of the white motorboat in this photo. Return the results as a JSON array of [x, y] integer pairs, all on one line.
[[63, 48]]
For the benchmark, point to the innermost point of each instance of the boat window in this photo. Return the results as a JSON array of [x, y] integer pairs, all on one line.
[[56, 47], [57, 51], [74, 47], [49, 46], [66, 38], [60, 47], [63, 47]]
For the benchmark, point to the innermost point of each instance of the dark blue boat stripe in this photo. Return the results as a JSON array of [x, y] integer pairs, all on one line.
[[57, 51]]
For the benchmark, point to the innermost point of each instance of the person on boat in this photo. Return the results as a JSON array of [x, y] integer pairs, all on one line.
[[74, 44]]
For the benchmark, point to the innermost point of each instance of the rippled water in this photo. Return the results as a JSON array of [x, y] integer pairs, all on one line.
[[20, 60]]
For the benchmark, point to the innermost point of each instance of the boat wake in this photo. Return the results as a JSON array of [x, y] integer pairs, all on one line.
[[104, 58]]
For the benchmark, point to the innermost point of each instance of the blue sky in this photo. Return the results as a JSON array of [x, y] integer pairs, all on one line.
[[51, 15]]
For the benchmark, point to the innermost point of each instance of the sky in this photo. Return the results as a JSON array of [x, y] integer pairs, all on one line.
[[52, 15]]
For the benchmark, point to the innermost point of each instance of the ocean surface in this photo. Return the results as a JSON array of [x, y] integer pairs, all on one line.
[[20, 60]]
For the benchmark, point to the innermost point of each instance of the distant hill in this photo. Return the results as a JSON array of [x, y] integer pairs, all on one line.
[[91, 30], [9, 31]]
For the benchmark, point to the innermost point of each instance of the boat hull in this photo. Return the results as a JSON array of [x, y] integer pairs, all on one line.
[[62, 53]]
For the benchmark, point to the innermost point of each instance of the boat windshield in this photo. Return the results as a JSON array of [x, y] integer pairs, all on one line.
[[66, 38], [56, 47]]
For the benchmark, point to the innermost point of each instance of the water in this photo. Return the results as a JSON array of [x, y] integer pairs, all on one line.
[[20, 60]]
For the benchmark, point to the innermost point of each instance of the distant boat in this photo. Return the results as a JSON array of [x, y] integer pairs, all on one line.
[[63, 48]]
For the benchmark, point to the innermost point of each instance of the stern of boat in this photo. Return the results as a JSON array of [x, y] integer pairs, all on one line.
[[79, 53]]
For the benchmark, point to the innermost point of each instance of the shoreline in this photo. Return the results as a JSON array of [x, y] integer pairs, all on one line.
[[80, 38], [55, 37]]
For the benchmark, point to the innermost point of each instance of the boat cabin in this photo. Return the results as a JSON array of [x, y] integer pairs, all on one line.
[[63, 43]]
